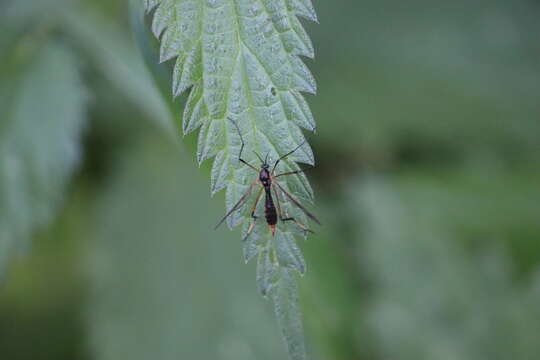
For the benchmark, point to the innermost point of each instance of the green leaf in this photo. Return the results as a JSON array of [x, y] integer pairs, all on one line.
[[165, 299], [267, 270], [288, 253], [116, 57], [426, 284], [240, 60], [42, 104], [286, 307]]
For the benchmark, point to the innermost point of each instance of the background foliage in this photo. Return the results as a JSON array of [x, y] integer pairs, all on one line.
[[427, 179]]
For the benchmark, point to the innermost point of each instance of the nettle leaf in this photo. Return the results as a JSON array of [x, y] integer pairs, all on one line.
[[240, 61], [286, 307], [43, 104]]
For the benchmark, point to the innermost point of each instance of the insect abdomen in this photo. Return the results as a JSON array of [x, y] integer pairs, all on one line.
[[270, 210]]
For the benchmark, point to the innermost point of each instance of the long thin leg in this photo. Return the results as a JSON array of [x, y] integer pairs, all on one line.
[[284, 156], [278, 202], [256, 203], [242, 147], [252, 225], [292, 172], [299, 224], [249, 231], [297, 203], [287, 218]]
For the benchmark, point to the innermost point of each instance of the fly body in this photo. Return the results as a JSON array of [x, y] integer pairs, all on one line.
[[270, 212], [267, 179]]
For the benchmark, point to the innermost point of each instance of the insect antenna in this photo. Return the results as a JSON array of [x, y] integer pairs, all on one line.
[[259, 156]]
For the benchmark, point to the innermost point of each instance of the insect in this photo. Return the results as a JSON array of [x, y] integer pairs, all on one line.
[[267, 180]]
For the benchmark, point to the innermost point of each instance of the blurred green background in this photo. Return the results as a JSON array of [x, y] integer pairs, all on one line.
[[427, 181]]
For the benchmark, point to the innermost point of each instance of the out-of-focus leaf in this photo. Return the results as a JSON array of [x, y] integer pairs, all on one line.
[[449, 84], [18, 13], [288, 314], [431, 298], [114, 55], [42, 116], [241, 61], [149, 47], [164, 286]]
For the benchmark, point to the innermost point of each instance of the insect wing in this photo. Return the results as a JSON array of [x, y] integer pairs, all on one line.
[[238, 205], [297, 203]]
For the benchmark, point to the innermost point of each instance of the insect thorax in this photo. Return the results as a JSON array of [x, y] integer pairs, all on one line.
[[264, 177]]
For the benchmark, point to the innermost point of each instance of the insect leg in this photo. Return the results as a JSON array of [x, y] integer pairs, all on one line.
[[287, 154], [255, 217], [278, 202], [287, 218], [296, 203], [299, 224], [241, 147], [249, 231], [256, 203], [292, 172]]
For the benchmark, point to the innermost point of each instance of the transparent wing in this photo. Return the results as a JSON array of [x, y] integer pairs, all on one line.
[[297, 203], [238, 205]]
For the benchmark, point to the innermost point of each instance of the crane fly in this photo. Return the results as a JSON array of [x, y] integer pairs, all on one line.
[[267, 180]]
